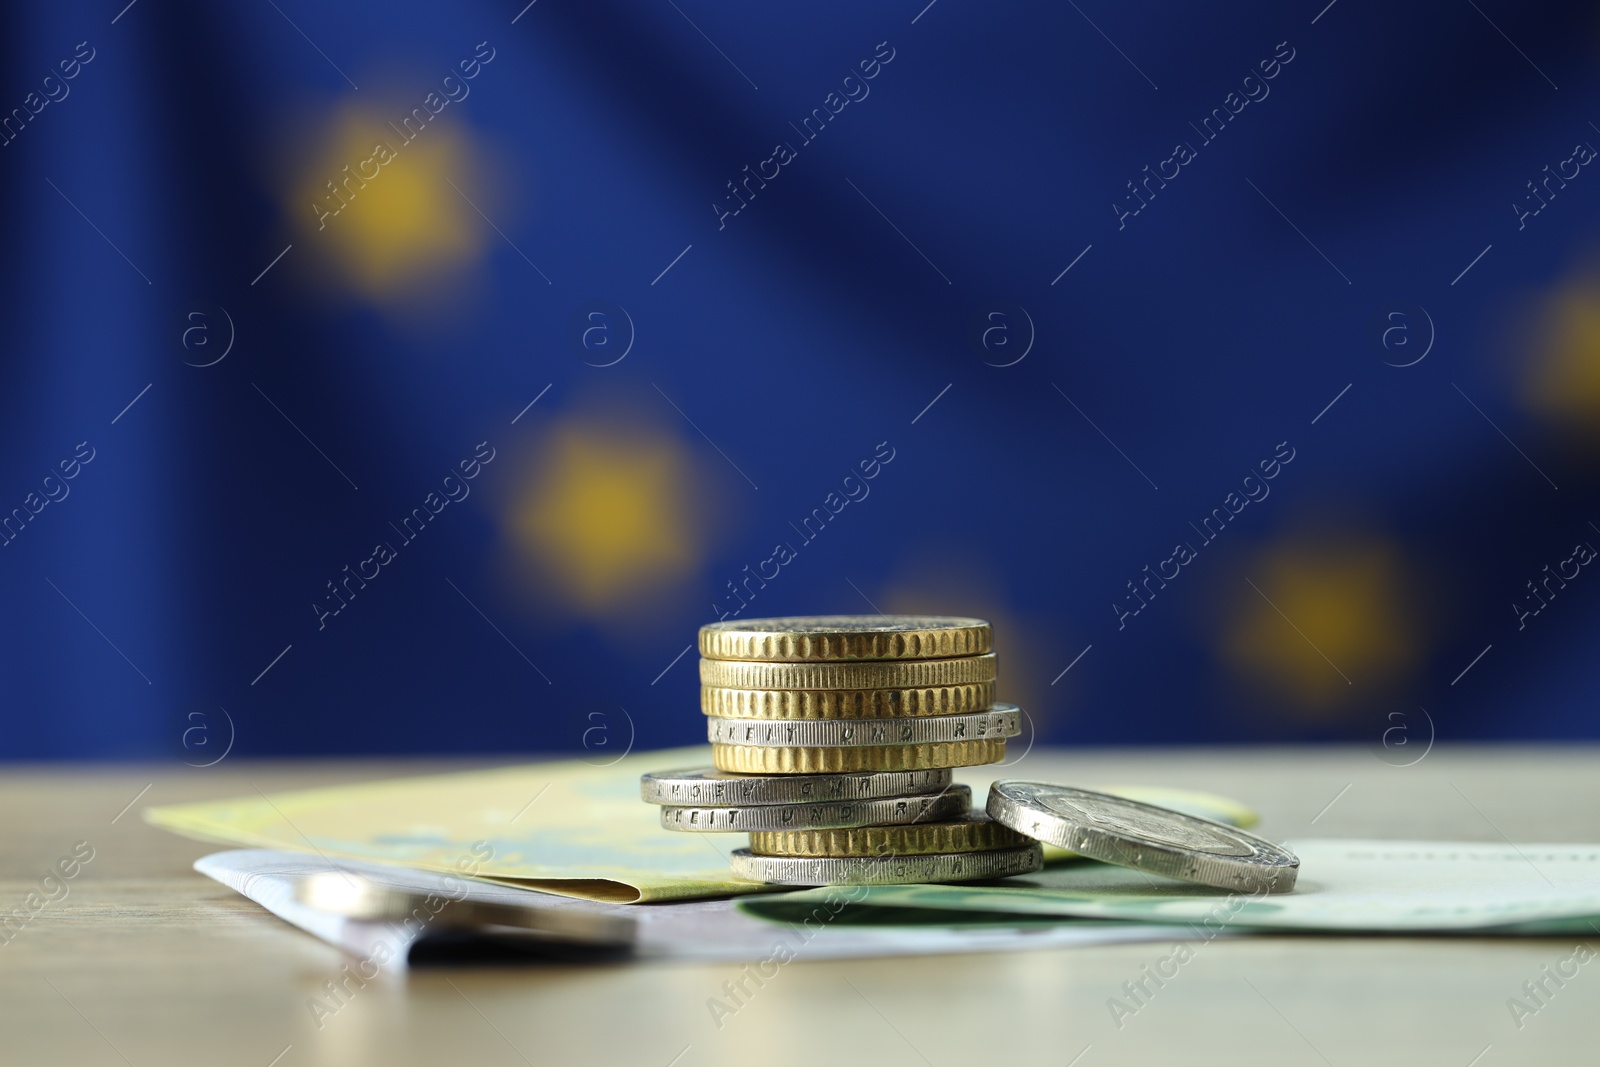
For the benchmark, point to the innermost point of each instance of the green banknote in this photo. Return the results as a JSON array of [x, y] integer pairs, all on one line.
[[1353, 885], [564, 826]]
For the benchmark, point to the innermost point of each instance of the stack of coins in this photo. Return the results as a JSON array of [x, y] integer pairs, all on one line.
[[833, 738]]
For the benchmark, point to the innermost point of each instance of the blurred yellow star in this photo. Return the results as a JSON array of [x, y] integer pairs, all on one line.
[[610, 514], [1563, 378], [1323, 615], [383, 206]]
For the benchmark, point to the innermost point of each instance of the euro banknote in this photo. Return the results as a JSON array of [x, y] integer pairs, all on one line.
[[1344, 885], [564, 826]]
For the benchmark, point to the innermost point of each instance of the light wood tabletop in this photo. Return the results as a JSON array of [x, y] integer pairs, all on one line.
[[147, 963]]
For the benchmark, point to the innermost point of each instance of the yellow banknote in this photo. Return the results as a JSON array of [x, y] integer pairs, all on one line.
[[564, 827]]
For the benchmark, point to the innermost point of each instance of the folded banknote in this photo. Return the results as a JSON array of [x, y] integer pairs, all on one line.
[[564, 827], [706, 930]]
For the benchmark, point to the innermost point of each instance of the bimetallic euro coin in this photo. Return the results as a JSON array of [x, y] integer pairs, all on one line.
[[882, 674], [772, 759], [887, 870], [973, 833], [887, 811], [1144, 837], [845, 703], [1005, 720], [831, 638], [707, 787]]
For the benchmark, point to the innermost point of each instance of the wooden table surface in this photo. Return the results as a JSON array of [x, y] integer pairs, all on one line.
[[147, 963]]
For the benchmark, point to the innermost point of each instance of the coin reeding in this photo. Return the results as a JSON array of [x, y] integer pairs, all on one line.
[[752, 759], [756, 790], [972, 835], [846, 646], [877, 674], [887, 870], [963, 699]]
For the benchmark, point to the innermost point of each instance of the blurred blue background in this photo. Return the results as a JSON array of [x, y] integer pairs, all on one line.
[[607, 299]]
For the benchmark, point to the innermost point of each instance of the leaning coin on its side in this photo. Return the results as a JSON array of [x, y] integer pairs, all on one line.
[[887, 870], [707, 787], [828, 815], [1144, 837], [1004, 720]]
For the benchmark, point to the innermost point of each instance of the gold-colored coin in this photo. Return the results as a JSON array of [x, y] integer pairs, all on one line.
[[974, 833], [832, 638], [845, 703], [754, 759], [884, 674]]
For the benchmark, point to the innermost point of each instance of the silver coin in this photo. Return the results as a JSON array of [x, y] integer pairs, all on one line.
[[1145, 837], [828, 815], [706, 787], [1003, 720], [888, 870], [356, 896]]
